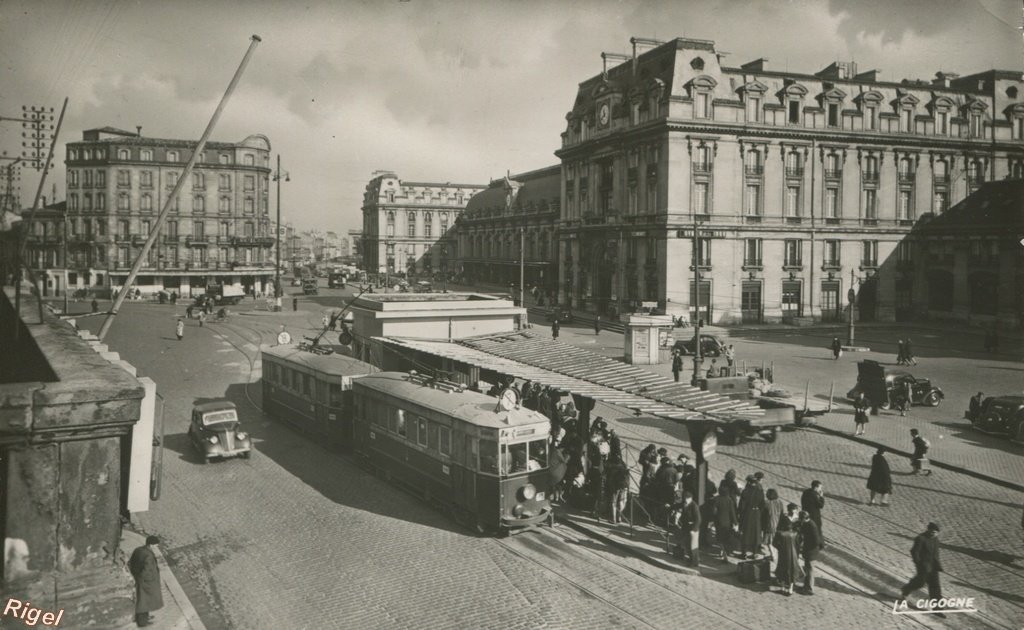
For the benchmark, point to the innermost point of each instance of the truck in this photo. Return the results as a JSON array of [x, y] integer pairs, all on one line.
[[778, 412], [225, 293]]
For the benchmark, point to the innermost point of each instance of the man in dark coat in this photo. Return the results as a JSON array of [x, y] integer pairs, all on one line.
[[144, 569], [751, 506], [555, 326], [812, 501], [974, 409], [597, 325], [908, 353], [677, 365], [925, 553], [810, 543], [837, 348], [901, 353], [687, 518], [920, 455], [665, 485], [880, 479], [860, 413], [726, 520]]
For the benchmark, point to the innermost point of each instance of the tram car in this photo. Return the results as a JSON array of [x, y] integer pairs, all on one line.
[[485, 459], [311, 391]]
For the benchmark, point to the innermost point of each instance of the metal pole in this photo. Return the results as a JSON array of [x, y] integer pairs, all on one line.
[[64, 255], [849, 325], [27, 227], [522, 270], [697, 360], [154, 234], [277, 269]]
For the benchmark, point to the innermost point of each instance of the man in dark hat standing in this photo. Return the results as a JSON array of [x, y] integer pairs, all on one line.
[[812, 501], [144, 569], [925, 554], [555, 326]]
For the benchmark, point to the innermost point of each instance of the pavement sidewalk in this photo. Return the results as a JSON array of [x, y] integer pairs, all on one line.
[[178, 612]]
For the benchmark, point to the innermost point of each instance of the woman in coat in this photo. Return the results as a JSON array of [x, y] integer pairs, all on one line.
[[774, 507], [751, 508], [788, 567], [144, 568], [880, 479], [729, 483]]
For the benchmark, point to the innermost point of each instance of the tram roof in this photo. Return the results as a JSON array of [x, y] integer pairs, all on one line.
[[469, 406], [553, 363], [331, 364]]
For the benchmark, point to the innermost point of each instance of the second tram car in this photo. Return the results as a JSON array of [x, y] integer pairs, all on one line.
[[312, 391], [485, 459]]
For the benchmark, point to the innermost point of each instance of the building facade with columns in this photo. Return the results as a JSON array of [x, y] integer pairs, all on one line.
[[404, 224], [799, 186], [217, 232], [515, 218]]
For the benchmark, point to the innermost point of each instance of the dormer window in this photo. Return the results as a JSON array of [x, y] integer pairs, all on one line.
[[700, 105], [146, 155], [942, 123], [833, 114], [122, 154], [976, 129], [907, 120], [793, 107], [753, 108]]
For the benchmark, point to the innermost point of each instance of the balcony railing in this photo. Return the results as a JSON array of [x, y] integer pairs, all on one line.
[[975, 179], [906, 177], [833, 173], [870, 176], [755, 170], [794, 171], [702, 167], [196, 240], [941, 178], [793, 265], [752, 263]]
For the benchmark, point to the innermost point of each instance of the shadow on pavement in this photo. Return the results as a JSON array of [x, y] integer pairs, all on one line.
[[964, 431], [991, 556]]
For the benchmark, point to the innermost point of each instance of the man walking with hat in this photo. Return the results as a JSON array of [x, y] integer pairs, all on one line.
[[925, 554]]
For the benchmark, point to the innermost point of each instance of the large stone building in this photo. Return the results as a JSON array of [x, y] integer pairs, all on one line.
[[802, 185], [968, 263], [404, 222], [513, 216], [218, 230]]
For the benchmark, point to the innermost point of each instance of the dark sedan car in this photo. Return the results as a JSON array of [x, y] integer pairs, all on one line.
[[710, 346], [884, 386], [1000, 415], [216, 432]]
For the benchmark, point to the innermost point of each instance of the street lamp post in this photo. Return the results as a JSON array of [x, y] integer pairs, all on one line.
[[851, 297], [278, 174]]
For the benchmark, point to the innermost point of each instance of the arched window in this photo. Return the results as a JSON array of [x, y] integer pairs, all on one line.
[[411, 227], [390, 224], [122, 154]]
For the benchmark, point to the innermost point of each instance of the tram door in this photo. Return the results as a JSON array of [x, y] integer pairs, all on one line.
[[464, 477]]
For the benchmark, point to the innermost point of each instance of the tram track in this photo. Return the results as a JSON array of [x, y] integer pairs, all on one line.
[[592, 591], [898, 552]]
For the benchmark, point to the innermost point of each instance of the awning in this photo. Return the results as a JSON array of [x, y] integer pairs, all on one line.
[[560, 365]]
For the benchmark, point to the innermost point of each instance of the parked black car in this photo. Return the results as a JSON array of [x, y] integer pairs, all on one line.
[[561, 313], [710, 346], [215, 431], [883, 386], [1000, 415]]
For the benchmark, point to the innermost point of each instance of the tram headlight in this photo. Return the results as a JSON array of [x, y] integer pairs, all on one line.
[[241, 435], [527, 492], [213, 439], [518, 510]]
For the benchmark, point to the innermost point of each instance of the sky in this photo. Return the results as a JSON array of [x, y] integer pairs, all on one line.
[[441, 91]]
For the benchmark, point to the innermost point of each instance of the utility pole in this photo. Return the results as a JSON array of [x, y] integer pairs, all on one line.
[[697, 359], [64, 257], [277, 270], [155, 233], [851, 297], [522, 272]]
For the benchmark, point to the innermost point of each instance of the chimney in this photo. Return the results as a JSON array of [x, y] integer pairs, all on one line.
[[944, 78], [756, 65], [138, 130], [644, 43], [616, 59]]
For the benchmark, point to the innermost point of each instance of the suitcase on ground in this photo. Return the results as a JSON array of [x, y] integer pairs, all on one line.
[[751, 571]]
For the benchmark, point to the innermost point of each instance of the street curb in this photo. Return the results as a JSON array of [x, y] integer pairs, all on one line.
[[181, 600], [621, 546], [935, 463]]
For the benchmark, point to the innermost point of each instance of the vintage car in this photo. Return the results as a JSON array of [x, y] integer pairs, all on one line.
[[310, 287], [215, 431], [882, 386], [423, 287], [710, 346], [1000, 415], [562, 313]]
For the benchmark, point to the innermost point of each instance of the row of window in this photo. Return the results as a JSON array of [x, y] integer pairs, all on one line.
[[98, 202], [146, 155], [792, 253], [171, 257], [304, 384], [508, 246], [145, 178], [428, 197], [428, 224]]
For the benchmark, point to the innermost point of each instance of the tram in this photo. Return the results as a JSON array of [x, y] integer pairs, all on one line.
[[482, 458], [311, 391]]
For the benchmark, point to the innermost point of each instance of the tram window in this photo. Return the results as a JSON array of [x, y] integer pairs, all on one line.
[[432, 436], [335, 394], [393, 420], [297, 385], [310, 389], [470, 454], [421, 431], [445, 438], [538, 455], [517, 456], [489, 456], [400, 422]]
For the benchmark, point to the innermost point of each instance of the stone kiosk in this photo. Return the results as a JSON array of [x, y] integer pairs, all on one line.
[[645, 337], [66, 419]]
